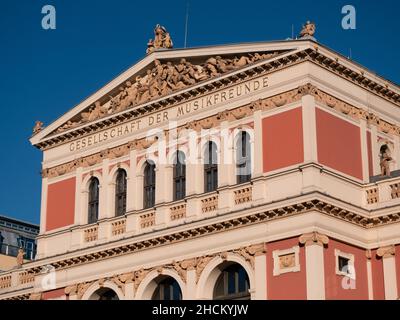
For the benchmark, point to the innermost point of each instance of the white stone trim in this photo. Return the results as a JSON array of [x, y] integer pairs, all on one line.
[[148, 284], [210, 274], [88, 295], [279, 253]]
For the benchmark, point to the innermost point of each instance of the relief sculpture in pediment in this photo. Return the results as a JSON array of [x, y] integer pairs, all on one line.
[[161, 80]]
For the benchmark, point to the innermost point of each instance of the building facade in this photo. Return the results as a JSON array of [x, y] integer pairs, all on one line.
[[16, 235], [251, 171]]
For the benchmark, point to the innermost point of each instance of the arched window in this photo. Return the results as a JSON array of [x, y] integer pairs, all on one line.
[[232, 284], [120, 193], [243, 158], [149, 185], [167, 289], [210, 168], [93, 210], [179, 176], [104, 294]]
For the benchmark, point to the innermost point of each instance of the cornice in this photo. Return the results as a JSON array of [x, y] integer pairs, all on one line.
[[316, 205], [264, 67]]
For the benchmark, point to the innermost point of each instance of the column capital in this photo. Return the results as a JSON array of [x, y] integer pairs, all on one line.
[[313, 238], [257, 249], [386, 252]]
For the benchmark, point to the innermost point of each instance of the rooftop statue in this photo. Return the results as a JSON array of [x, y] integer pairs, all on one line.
[[385, 160], [38, 127], [308, 30], [20, 257], [162, 40]]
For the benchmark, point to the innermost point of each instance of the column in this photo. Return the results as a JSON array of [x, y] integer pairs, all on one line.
[[225, 156], [364, 150], [315, 274], [43, 205], [129, 291], [260, 273], [103, 201], [375, 150], [78, 218], [259, 192], [309, 128], [226, 176], [369, 275], [191, 286], [389, 271], [131, 183]]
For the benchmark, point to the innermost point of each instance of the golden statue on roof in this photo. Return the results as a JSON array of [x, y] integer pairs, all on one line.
[[162, 40], [308, 30]]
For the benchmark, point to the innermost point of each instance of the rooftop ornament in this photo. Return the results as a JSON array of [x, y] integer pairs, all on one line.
[[162, 40], [308, 31]]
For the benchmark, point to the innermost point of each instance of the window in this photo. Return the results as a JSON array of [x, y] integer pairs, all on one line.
[[210, 168], [344, 264], [29, 247], [149, 185], [93, 210], [179, 176], [243, 158], [232, 284], [120, 193], [167, 289], [104, 294]]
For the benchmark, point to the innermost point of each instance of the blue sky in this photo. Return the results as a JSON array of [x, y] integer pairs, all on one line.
[[45, 73]]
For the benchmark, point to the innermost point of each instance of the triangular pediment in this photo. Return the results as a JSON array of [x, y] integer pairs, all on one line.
[[161, 74]]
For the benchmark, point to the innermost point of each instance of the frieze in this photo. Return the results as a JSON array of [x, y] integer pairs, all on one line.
[[181, 268], [162, 80]]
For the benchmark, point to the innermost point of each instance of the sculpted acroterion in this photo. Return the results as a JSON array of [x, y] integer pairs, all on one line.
[[308, 29]]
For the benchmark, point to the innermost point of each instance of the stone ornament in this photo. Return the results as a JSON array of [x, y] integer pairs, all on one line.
[[308, 30], [161, 80], [20, 257], [35, 296], [38, 127], [313, 238], [287, 261], [385, 160], [386, 252], [162, 40]]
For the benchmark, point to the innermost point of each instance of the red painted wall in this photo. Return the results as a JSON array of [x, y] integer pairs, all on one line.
[[287, 286], [333, 282], [53, 294], [370, 163], [60, 204], [339, 145], [283, 140], [377, 277]]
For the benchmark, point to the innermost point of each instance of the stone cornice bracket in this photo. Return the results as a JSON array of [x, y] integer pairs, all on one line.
[[313, 238], [368, 254], [386, 252], [307, 89], [35, 296], [71, 290]]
